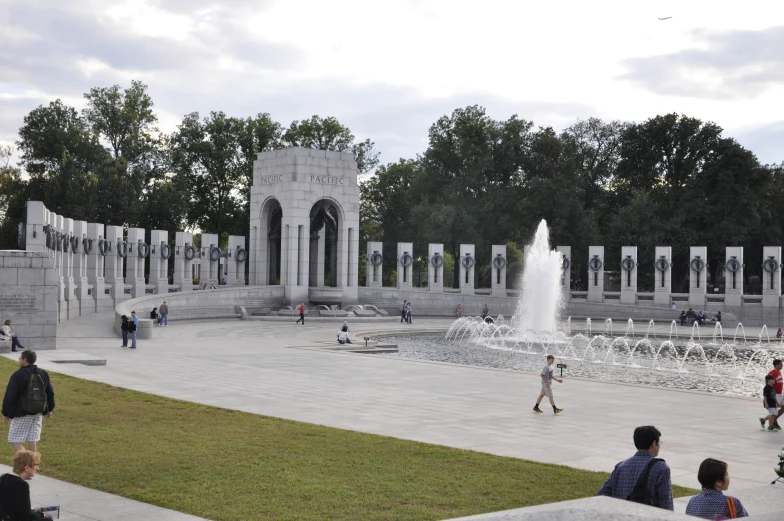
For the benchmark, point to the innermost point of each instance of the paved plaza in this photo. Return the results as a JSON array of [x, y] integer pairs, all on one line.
[[289, 371]]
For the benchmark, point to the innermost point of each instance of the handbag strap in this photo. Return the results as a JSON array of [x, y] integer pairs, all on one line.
[[732, 511]]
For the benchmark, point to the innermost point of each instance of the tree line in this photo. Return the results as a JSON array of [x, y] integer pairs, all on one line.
[[670, 180]]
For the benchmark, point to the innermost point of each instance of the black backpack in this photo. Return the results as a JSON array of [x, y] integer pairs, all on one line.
[[131, 326], [640, 492], [33, 399]]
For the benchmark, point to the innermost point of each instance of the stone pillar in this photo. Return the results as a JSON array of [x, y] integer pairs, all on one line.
[[68, 279], [405, 265], [375, 265], [295, 258], [138, 250], [115, 262], [498, 271], [663, 280], [596, 274], [435, 268], [35, 237], [771, 276], [629, 265], [210, 258], [184, 253], [79, 247], [733, 276], [566, 274], [238, 256], [698, 276], [160, 253], [320, 263], [467, 262], [95, 266]]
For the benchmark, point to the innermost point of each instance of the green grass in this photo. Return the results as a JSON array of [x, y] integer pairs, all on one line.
[[228, 465]]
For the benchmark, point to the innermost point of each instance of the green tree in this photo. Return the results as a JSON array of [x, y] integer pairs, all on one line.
[[329, 134], [12, 189], [209, 154], [124, 118]]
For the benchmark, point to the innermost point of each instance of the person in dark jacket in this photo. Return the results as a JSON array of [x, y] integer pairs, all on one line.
[[14, 490], [25, 426], [124, 327]]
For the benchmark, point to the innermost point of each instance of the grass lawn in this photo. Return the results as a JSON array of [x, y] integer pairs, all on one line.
[[228, 465]]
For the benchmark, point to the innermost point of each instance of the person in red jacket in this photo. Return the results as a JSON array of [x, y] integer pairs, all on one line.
[[301, 314]]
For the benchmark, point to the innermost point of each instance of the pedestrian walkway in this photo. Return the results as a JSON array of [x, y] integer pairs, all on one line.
[[293, 372]]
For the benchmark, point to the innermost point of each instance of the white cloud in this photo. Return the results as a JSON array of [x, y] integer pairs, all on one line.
[[390, 69]]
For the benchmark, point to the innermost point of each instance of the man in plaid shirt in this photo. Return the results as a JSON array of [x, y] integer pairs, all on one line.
[[626, 473]]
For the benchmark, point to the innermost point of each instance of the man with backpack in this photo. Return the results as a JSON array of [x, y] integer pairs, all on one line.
[[643, 478], [29, 397]]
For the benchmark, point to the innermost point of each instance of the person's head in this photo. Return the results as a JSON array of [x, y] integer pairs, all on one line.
[[26, 461], [770, 379], [27, 357], [164, 302], [155, 309], [345, 322], [713, 475], [133, 313], [124, 318], [777, 363], [550, 359], [7, 322], [647, 438]]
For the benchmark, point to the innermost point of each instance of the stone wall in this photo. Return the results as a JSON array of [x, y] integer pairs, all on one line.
[[426, 303], [29, 287], [203, 304]]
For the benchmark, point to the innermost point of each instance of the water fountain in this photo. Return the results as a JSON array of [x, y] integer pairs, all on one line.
[[684, 361]]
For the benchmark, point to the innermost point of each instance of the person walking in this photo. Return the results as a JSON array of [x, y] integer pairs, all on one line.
[[124, 328], [345, 330], [547, 389], [164, 318], [133, 326], [301, 313], [714, 477], [14, 490], [770, 404], [28, 399], [409, 313], [778, 387], [403, 312], [643, 465], [6, 334]]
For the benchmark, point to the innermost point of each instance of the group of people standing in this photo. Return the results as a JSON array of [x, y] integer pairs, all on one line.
[[28, 400], [406, 312]]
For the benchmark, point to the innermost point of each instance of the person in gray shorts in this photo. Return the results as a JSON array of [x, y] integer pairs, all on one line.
[[547, 379]]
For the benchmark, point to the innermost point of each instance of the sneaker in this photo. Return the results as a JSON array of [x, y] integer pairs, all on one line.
[[537, 409], [776, 424], [774, 429], [558, 411], [762, 422]]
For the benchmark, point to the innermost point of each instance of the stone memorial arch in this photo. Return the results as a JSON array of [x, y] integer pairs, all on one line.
[[304, 227]]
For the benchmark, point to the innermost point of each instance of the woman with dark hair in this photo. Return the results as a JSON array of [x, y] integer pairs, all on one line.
[[14, 490], [715, 479]]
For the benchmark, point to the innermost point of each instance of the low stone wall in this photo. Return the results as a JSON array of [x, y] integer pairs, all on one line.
[[425, 303], [198, 305], [29, 287]]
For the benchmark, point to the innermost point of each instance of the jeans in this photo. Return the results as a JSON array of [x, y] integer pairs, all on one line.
[[164, 319], [133, 338], [15, 342], [125, 338]]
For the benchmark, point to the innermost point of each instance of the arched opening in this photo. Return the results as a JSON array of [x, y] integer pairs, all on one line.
[[274, 215], [324, 234]]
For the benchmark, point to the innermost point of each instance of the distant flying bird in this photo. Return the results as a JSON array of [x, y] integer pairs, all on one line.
[[665, 18]]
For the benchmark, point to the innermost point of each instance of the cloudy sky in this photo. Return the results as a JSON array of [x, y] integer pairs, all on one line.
[[388, 69]]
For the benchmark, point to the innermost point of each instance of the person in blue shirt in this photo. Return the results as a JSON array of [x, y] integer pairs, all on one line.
[[714, 477], [624, 476], [135, 321]]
